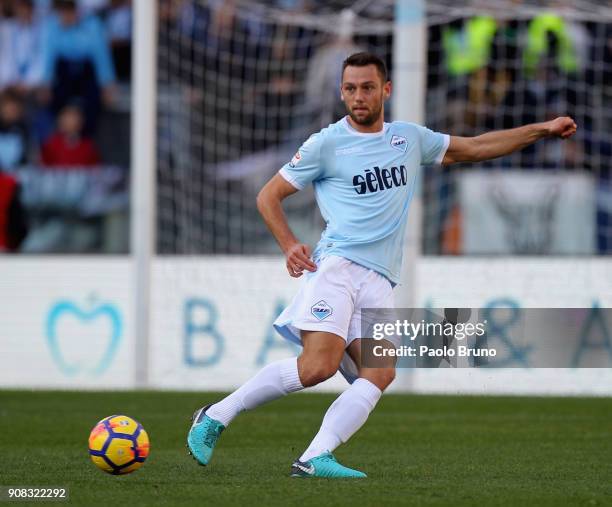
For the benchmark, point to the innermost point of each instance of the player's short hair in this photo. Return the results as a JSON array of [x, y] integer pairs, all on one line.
[[363, 59]]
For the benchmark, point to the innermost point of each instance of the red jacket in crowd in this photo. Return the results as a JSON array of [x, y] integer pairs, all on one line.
[[12, 216], [61, 151]]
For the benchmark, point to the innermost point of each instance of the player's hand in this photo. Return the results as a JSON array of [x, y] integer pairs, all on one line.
[[298, 260], [563, 127]]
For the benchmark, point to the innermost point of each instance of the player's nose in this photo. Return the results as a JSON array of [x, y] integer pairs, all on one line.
[[359, 97]]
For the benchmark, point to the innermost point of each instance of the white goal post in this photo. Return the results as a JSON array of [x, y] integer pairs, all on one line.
[[143, 176]]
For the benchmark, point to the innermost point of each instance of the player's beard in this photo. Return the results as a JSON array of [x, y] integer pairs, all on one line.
[[369, 119]]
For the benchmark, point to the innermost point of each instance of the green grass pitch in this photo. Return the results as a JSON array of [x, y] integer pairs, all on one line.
[[416, 450]]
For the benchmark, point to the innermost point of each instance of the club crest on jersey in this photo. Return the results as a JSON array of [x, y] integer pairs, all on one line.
[[399, 143], [296, 158], [321, 310]]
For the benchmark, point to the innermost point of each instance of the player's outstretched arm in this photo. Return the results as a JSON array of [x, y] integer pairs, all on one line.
[[269, 205], [503, 142]]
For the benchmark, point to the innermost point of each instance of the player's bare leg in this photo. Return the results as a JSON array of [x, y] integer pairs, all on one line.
[[320, 358], [344, 417], [318, 361], [383, 374]]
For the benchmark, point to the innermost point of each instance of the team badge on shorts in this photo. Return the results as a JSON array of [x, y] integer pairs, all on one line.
[[321, 310]]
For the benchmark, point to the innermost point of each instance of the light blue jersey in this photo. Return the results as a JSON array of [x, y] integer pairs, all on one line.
[[363, 185]]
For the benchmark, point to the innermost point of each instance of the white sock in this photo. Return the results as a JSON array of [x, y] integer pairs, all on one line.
[[273, 381], [344, 417]]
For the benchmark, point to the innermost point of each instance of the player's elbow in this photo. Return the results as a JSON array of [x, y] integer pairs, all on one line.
[[262, 200], [273, 193], [266, 198], [464, 149]]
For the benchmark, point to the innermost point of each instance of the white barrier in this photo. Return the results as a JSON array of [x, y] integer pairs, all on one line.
[[212, 320], [537, 282], [517, 212], [66, 322]]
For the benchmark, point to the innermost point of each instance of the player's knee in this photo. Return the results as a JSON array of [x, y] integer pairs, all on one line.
[[313, 373], [387, 376], [381, 377]]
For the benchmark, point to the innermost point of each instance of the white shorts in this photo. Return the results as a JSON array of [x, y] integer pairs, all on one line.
[[331, 300]]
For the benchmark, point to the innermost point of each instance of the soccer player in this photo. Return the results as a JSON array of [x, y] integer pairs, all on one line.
[[364, 172]]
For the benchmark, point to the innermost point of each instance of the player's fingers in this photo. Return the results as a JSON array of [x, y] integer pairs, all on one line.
[[298, 269], [300, 257], [293, 271], [301, 264], [568, 132], [304, 256], [305, 263]]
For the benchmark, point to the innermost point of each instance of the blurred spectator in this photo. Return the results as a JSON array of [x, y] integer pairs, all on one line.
[[92, 6], [5, 18], [21, 49], [13, 224], [119, 30], [42, 7], [86, 7], [538, 45], [480, 55], [77, 62], [469, 48], [225, 33], [324, 74], [13, 131], [6, 8], [68, 147]]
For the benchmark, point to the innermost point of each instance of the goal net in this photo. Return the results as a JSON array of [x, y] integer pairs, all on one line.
[[502, 64], [241, 86], [242, 83]]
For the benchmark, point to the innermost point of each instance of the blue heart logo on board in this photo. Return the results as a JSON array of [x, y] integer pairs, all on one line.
[[90, 322]]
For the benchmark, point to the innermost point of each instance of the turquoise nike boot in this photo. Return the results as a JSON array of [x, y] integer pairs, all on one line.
[[203, 436], [324, 465]]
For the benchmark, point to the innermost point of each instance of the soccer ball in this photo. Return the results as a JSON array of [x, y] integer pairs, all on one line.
[[118, 445]]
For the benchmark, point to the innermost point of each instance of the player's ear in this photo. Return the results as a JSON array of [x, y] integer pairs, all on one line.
[[387, 90]]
